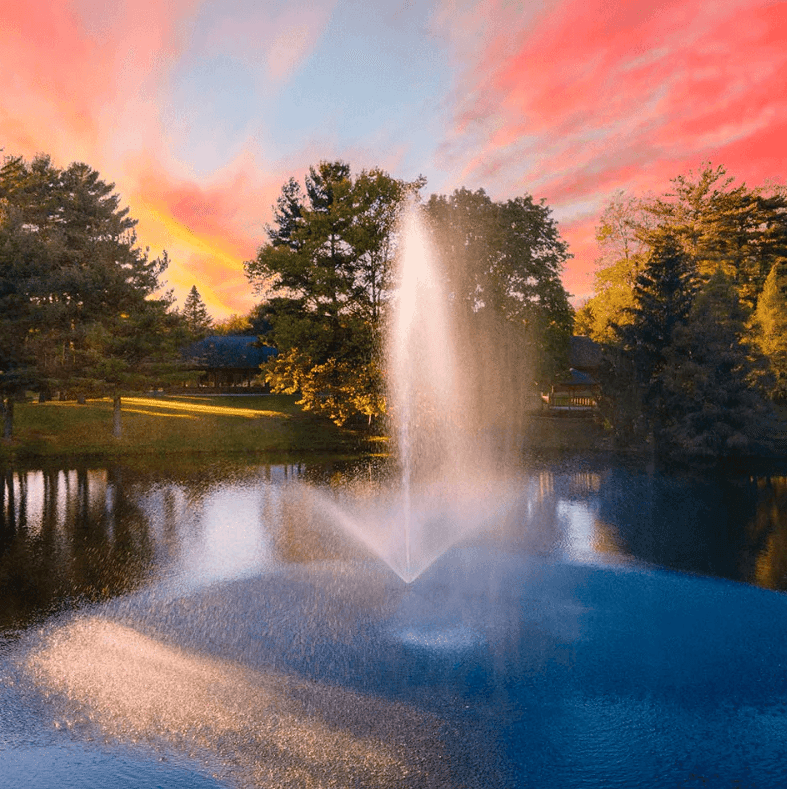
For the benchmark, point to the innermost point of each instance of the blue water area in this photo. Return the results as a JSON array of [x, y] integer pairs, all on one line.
[[555, 649], [71, 765], [541, 673]]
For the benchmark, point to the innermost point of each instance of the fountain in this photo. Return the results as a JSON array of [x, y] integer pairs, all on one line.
[[451, 479]]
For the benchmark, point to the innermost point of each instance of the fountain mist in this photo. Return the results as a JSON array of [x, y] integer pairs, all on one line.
[[424, 384], [449, 412]]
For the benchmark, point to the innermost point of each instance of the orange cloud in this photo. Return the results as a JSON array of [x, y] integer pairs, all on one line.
[[86, 81]]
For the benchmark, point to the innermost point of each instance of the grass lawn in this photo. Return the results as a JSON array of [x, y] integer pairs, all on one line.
[[164, 425]]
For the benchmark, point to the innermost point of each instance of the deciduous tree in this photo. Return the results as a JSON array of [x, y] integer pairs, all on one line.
[[770, 328], [505, 259]]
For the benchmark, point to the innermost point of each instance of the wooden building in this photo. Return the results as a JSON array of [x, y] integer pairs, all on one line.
[[577, 394]]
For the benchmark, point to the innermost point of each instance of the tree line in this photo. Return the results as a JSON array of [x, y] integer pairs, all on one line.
[[690, 305], [81, 307], [83, 310], [326, 273]]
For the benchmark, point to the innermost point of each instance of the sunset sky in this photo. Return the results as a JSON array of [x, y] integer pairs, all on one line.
[[199, 111]]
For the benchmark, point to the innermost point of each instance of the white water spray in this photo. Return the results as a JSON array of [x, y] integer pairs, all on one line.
[[449, 482]]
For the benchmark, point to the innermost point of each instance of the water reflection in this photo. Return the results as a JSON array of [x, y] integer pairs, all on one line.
[[67, 535], [84, 534]]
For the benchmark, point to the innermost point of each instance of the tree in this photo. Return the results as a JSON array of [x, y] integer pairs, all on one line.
[[707, 406], [324, 272], [705, 226], [195, 315], [663, 295], [740, 230], [622, 256], [92, 286], [234, 324], [251, 324], [743, 231], [504, 261], [23, 259], [770, 328]]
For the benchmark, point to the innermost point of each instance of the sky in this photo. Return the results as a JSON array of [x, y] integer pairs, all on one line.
[[200, 110]]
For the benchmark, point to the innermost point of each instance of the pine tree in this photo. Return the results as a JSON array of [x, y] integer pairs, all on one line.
[[663, 296], [195, 315], [708, 406], [720, 225], [323, 272], [631, 382], [92, 282]]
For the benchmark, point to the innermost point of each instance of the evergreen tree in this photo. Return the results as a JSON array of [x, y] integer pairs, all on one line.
[[720, 225], [23, 261], [324, 271], [707, 404], [663, 296], [91, 280], [195, 315], [631, 383]]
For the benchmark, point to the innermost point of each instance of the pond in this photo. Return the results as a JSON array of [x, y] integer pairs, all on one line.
[[215, 626]]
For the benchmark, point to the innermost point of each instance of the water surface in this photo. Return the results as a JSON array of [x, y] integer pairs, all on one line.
[[215, 627]]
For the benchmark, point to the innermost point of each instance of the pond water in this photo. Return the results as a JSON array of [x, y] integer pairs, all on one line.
[[215, 627]]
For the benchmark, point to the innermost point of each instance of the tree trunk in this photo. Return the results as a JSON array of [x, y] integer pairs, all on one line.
[[8, 418], [116, 424]]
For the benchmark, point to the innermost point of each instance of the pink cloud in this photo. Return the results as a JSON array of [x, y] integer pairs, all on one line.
[[591, 96]]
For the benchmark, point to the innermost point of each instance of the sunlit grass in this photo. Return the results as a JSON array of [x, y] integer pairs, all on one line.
[[158, 413], [197, 407], [163, 425]]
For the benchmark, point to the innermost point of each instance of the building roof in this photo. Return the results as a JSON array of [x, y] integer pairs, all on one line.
[[232, 351], [578, 378], [584, 353]]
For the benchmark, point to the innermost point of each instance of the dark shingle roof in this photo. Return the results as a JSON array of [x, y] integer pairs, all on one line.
[[227, 351], [584, 353]]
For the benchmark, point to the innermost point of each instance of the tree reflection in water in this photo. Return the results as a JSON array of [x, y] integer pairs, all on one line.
[[67, 536], [85, 534]]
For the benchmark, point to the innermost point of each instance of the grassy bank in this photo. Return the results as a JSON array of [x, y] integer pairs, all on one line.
[[168, 425]]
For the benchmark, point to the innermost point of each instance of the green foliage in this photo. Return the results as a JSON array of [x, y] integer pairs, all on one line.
[[613, 303], [662, 296], [326, 277], [195, 315], [705, 405], [505, 259], [324, 273], [234, 324], [82, 308], [337, 389], [623, 254], [675, 299], [742, 231]]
